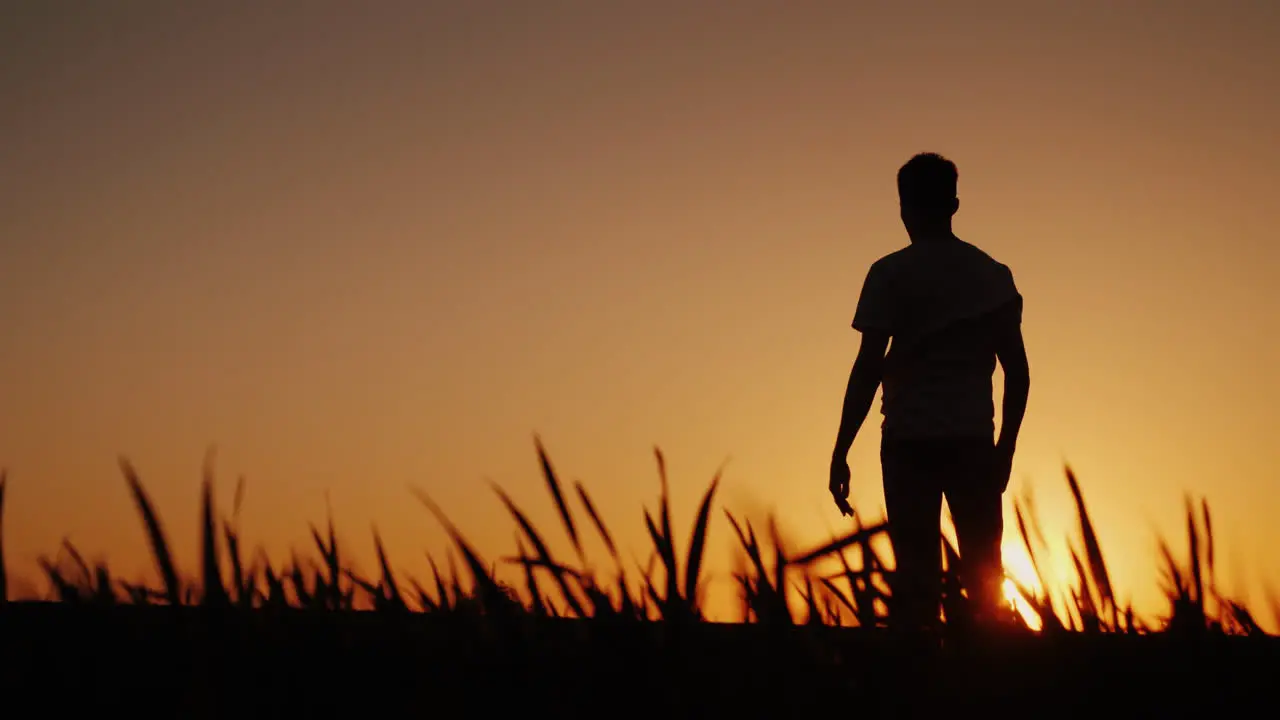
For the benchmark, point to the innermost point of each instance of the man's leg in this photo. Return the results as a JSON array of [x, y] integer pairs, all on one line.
[[977, 510], [913, 503]]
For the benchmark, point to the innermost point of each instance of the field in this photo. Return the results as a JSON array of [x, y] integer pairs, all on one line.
[[245, 639]]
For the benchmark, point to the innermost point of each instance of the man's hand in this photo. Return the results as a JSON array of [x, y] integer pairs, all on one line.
[[1003, 466], [840, 484]]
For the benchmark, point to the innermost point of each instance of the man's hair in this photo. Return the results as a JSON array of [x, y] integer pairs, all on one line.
[[928, 180]]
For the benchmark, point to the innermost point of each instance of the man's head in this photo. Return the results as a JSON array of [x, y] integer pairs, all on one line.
[[927, 192]]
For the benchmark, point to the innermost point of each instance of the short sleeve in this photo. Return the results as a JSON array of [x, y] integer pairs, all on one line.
[[1005, 295], [1012, 306], [875, 309]]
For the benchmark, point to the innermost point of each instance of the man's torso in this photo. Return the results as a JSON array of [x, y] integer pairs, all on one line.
[[939, 302]]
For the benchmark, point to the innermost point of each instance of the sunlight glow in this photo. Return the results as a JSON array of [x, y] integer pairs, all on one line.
[[1018, 567], [1020, 604]]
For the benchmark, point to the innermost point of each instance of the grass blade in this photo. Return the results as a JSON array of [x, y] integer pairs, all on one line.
[[531, 581], [669, 556], [1208, 552], [1197, 573], [859, 536], [442, 590], [1093, 552], [240, 579], [600, 526], [86, 575], [697, 542], [64, 590], [664, 552], [215, 594], [543, 554], [155, 534], [553, 484], [390, 590], [491, 595]]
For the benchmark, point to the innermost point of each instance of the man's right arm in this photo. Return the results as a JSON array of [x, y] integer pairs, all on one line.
[[1012, 354]]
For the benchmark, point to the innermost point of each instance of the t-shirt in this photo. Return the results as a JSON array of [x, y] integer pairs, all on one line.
[[938, 301]]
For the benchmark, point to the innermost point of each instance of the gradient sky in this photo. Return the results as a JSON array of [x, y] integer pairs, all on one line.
[[360, 246]]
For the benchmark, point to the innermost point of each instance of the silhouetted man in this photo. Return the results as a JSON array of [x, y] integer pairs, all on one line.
[[951, 311]]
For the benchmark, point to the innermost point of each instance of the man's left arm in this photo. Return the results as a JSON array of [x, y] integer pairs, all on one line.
[[864, 379], [875, 319]]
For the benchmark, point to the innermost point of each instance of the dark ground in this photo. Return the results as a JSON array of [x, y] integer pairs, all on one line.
[[189, 663]]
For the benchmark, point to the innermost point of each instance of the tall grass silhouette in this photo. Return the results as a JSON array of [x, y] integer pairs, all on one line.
[[777, 586]]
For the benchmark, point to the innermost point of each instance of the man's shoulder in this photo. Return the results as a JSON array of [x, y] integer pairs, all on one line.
[[980, 255], [888, 263]]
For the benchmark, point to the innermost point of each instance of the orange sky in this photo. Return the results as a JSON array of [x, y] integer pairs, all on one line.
[[365, 248]]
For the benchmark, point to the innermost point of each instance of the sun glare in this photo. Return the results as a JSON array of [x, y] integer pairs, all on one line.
[[1021, 606], [1018, 567]]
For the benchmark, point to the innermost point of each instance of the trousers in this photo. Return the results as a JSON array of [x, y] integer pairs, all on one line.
[[919, 473]]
